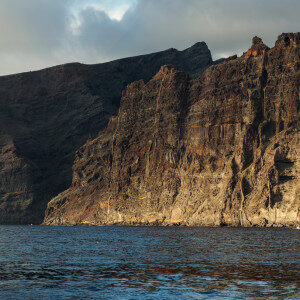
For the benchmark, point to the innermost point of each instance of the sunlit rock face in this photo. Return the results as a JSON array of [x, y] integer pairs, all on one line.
[[258, 48], [222, 149], [46, 116]]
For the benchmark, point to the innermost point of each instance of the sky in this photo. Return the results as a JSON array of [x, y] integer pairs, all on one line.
[[35, 34]]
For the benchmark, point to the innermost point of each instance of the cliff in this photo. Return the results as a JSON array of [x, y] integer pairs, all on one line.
[[222, 149], [46, 116]]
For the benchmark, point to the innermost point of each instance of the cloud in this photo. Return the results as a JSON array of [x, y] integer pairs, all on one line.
[[30, 33], [41, 33]]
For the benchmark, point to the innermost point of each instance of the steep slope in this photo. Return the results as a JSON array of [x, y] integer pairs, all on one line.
[[222, 149], [45, 116]]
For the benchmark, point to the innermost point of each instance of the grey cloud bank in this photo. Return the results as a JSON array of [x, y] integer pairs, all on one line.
[[41, 33]]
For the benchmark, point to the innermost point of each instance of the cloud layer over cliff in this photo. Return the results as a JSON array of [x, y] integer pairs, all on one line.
[[41, 33]]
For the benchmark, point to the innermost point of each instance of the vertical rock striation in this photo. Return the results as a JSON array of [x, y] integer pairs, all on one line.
[[222, 149]]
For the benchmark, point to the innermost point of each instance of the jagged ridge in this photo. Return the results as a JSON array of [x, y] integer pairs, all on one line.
[[218, 150]]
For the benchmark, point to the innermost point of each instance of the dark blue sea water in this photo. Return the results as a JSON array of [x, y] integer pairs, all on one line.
[[41, 262]]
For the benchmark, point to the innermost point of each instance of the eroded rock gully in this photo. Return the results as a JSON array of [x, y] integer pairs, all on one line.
[[222, 149]]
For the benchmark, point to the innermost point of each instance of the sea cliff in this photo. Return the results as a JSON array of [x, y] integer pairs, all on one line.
[[221, 149], [47, 115]]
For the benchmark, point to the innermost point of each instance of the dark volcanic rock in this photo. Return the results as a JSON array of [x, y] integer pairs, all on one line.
[[45, 116], [222, 149]]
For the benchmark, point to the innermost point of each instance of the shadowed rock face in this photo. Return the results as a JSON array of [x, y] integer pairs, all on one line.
[[222, 149], [46, 116]]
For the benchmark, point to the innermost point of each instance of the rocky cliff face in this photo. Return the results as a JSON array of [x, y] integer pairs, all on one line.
[[222, 149], [46, 116]]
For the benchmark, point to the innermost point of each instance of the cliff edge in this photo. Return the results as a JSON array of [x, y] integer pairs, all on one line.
[[47, 115], [222, 149]]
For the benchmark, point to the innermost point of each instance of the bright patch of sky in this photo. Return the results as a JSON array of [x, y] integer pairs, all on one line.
[[115, 10]]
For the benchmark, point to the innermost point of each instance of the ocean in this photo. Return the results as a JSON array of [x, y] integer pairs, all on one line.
[[87, 262]]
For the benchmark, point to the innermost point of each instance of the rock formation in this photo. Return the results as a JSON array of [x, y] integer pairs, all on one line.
[[222, 149], [46, 116]]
